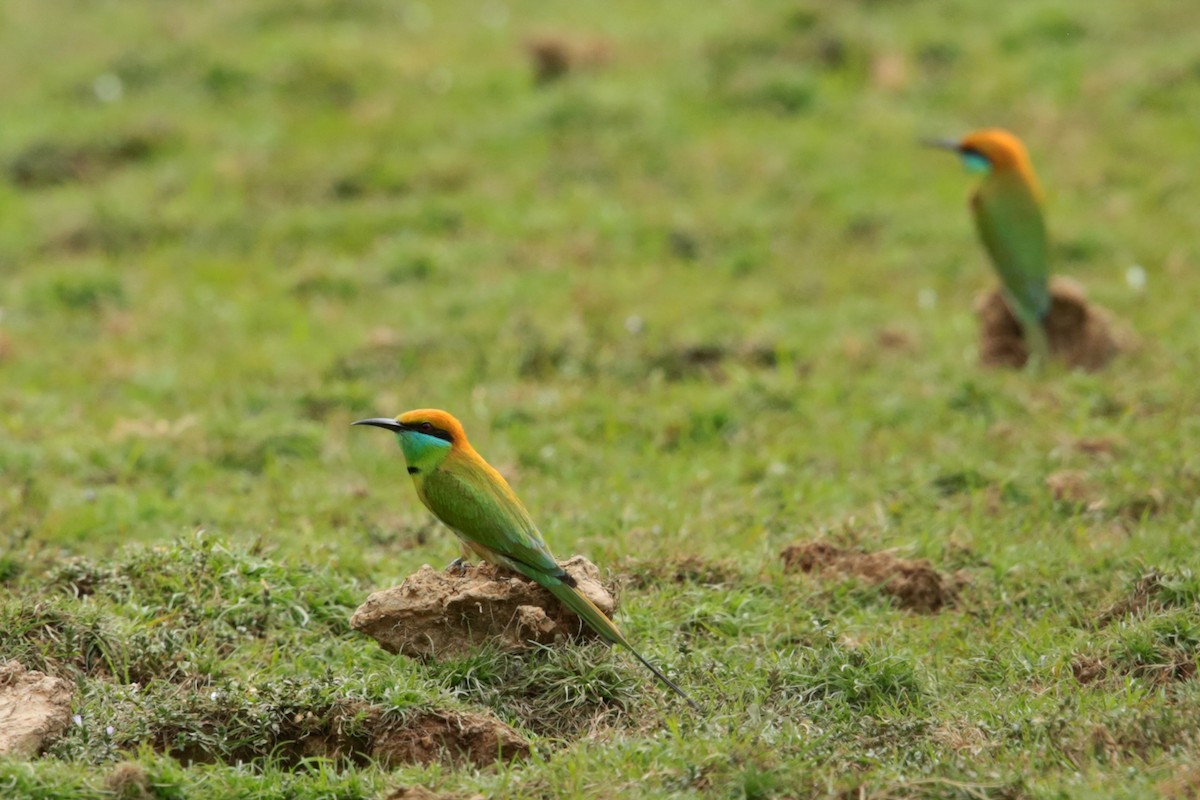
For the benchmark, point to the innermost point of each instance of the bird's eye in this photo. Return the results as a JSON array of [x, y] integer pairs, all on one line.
[[426, 427], [976, 161]]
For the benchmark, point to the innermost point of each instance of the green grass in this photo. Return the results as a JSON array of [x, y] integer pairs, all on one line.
[[675, 298]]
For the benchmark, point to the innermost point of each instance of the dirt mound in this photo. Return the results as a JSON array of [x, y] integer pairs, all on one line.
[[357, 732], [556, 55], [1081, 334], [448, 736], [35, 709], [913, 583], [447, 615]]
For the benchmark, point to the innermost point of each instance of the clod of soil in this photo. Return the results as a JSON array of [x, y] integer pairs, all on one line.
[[449, 736], [1081, 334], [912, 583], [1103, 447], [554, 56], [447, 615], [1088, 669], [35, 709], [895, 339], [129, 781]]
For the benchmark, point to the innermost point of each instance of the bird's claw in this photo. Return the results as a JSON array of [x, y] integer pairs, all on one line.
[[458, 566]]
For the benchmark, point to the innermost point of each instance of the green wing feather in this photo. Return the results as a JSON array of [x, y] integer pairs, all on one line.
[[477, 505], [1010, 223]]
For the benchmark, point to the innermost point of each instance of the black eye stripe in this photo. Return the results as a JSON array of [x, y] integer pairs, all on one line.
[[439, 433], [971, 151], [429, 429]]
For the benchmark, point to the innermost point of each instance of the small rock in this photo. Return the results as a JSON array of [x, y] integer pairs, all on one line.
[[35, 709]]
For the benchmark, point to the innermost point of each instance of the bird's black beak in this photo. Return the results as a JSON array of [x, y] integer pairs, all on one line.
[[382, 422], [943, 144]]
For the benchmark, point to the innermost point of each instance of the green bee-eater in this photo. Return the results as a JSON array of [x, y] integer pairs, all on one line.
[[473, 500], [1008, 216]]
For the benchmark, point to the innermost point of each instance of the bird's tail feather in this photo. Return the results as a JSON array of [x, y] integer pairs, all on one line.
[[1039, 343], [598, 621]]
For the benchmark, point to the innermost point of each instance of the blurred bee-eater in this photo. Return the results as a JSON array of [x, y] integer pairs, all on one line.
[[473, 500], [1007, 208]]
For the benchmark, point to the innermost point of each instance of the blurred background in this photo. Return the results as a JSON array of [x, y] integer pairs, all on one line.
[[680, 266]]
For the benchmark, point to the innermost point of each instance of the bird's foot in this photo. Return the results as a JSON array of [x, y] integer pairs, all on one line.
[[458, 566]]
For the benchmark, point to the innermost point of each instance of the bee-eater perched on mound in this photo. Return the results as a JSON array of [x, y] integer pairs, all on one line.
[[1007, 208], [473, 500]]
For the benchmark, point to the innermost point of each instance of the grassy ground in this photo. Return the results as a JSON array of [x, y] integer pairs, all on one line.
[[229, 229]]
